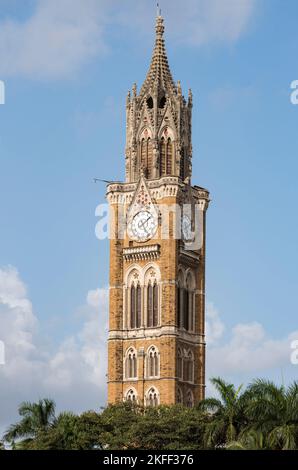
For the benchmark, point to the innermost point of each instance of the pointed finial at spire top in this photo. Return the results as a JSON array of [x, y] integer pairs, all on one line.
[[158, 10]]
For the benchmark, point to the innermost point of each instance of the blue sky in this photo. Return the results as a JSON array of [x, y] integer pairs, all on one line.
[[67, 67]]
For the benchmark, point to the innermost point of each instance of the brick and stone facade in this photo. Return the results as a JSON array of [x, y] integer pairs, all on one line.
[[156, 346]]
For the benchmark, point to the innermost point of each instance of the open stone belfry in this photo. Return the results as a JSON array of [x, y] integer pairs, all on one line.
[[156, 346]]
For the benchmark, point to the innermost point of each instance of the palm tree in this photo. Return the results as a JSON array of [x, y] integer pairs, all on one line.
[[274, 411], [226, 416], [249, 439], [36, 417]]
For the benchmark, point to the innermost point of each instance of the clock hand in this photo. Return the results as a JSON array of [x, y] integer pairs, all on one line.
[[142, 224]]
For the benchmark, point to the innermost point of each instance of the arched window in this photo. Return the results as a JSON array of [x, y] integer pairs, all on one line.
[[147, 156], [180, 364], [189, 399], [179, 396], [189, 304], [186, 300], [142, 297], [169, 156], [139, 306], [133, 296], [162, 157], [131, 395], [136, 306], [144, 154], [153, 362], [166, 156], [152, 305], [131, 364], [186, 309], [188, 366], [152, 398], [155, 305], [150, 102]]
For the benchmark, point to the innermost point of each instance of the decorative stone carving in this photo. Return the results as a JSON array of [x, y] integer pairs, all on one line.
[[151, 252]]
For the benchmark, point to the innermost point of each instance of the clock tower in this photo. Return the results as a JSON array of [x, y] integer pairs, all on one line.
[[156, 346]]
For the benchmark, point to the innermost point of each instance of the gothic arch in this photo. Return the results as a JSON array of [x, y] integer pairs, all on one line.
[[145, 151], [152, 397], [166, 156], [188, 366], [166, 151], [142, 296], [179, 396], [149, 102], [152, 295], [147, 272], [133, 298], [186, 291], [152, 362], [190, 279], [167, 132], [145, 133], [131, 395], [131, 363], [189, 399], [130, 274], [191, 288]]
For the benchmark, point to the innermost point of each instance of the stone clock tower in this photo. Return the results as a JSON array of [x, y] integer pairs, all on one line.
[[157, 250]]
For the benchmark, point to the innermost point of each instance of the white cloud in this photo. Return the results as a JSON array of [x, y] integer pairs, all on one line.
[[74, 375], [55, 41], [214, 325], [17, 320], [83, 357], [61, 36], [248, 353]]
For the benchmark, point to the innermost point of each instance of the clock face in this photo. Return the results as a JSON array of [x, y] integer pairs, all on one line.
[[143, 226], [187, 229]]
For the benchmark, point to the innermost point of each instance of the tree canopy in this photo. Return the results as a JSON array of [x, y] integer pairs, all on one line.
[[262, 416]]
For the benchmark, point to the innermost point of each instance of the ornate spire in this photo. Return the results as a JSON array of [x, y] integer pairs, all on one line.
[[159, 72], [158, 122]]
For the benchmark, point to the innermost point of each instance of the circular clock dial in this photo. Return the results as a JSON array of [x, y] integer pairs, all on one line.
[[143, 225], [186, 228]]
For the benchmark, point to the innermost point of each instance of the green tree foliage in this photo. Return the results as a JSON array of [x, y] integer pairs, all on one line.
[[264, 416], [61, 435], [226, 414], [274, 411], [36, 417], [169, 427]]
